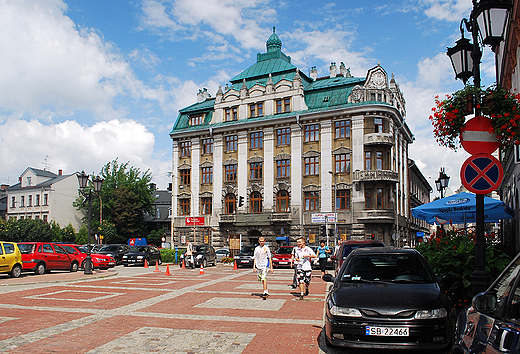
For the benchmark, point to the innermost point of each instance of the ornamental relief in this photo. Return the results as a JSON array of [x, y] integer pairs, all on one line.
[[183, 195], [311, 188], [281, 187], [341, 151], [254, 159], [311, 153], [229, 189], [282, 156], [230, 162], [206, 164], [255, 187], [184, 166], [206, 194]]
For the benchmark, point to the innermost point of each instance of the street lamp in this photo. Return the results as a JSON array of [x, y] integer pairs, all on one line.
[[83, 180], [442, 182], [489, 17], [335, 202]]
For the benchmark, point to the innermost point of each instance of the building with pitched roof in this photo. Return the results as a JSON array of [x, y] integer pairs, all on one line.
[[42, 194], [276, 150]]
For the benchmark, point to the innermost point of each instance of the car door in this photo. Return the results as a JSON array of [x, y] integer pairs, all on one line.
[[49, 256], [4, 261], [62, 258]]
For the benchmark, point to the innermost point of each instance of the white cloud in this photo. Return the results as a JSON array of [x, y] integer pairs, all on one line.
[[447, 10]]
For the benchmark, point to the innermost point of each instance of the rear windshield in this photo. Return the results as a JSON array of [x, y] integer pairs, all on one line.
[[109, 248], [26, 248], [284, 250], [247, 249], [348, 249], [140, 249]]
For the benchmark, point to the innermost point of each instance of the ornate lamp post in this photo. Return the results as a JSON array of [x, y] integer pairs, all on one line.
[[83, 180], [489, 18], [442, 182]]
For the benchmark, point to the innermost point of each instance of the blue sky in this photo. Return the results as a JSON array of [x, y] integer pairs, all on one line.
[[85, 82]]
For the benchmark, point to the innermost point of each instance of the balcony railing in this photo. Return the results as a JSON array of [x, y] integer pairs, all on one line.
[[378, 139], [375, 175], [379, 215]]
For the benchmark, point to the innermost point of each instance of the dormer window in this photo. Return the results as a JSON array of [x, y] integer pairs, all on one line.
[[196, 120], [256, 110], [231, 114], [28, 181]]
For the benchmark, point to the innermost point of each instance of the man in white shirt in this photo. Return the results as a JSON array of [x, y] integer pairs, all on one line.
[[303, 256], [262, 264], [189, 256]]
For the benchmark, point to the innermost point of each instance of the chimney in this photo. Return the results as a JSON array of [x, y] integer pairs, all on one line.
[[343, 69], [314, 73], [333, 69], [202, 95], [60, 172]]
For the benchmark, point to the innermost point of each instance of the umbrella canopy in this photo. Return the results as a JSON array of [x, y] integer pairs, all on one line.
[[461, 208]]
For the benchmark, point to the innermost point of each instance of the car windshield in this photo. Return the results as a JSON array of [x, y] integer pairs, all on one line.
[[140, 249], [284, 250], [200, 249], [82, 249], [350, 248], [26, 248], [108, 249], [247, 249], [387, 267]]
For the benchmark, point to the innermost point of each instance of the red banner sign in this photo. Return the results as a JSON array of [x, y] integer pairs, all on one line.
[[195, 221]]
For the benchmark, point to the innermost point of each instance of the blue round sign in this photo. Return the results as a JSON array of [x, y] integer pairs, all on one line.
[[481, 173]]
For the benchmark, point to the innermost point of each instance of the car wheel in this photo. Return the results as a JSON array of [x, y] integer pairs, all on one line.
[[40, 269], [74, 267], [205, 263], [214, 262], [16, 271]]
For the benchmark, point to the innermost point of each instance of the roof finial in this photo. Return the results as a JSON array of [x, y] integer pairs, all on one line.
[[274, 29]]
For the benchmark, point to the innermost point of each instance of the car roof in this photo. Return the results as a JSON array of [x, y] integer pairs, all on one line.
[[384, 250], [361, 242]]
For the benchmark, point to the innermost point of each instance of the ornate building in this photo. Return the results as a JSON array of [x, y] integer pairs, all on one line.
[[276, 149]]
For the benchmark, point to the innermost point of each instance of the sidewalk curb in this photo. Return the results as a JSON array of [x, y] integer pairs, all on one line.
[[87, 278]]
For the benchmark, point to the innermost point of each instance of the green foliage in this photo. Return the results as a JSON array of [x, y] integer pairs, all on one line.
[[69, 234], [155, 237], [228, 259], [454, 254], [168, 255], [109, 232], [57, 234], [82, 236], [26, 230]]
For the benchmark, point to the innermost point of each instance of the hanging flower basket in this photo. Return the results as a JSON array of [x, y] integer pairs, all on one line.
[[449, 115]]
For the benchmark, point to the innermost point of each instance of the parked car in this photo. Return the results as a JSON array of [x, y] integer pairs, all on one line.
[[348, 246], [117, 251], [282, 257], [41, 257], [139, 254], [79, 253], [10, 259], [221, 253], [202, 254], [387, 298], [245, 256], [491, 324]]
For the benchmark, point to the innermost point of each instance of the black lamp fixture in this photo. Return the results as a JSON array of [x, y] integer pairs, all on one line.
[[97, 182], [442, 182], [491, 17], [460, 57]]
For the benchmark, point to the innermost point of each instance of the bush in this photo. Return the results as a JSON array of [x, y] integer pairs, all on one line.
[[454, 254], [227, 260], [168, 255]]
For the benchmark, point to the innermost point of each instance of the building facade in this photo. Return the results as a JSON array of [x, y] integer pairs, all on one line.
[[420, 191], [41, 194], [276, 149]]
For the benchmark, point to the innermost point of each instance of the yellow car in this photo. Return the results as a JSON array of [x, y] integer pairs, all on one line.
[[10, 259]]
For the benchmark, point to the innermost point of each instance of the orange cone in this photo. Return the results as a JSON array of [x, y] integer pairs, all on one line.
[[201, 272], [167, 270], [183, 266], [145, 263], [156, 268], [235, 267]]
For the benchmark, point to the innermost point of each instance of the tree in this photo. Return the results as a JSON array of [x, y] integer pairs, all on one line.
[[155, 237], [125, 199]]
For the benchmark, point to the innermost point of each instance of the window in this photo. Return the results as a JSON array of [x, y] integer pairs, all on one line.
[[22, 201], [37, 202], [283, 136], [256, 171], [29, 201], [283, 168], [231, 173], [368, 160], [282, 202], [256, 110], [230, 203], [207, 175], [342, 163], [378, 124], [184, 206], [256, 140], [283, 105], [196, 120], [45, 217], [312, 201], [312, 166], [28, 181], [379, 198], [256, 202], [47, 249], [13, 202], [205, 206], [185, 177], [207, 146], [368, 198], [379, 160], [342, 129], [231, 143], [231, 114], [312, 132], [343, 199], [185, 148]]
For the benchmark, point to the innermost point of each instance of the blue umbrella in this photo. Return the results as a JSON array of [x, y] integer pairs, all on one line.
[[461, 208]]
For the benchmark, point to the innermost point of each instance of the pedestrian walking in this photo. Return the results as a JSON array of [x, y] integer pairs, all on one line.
[[303, 256], [189, 256], [322, 256], [262, 264]]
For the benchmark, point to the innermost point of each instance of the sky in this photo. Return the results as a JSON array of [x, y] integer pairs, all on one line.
[[83, 82]]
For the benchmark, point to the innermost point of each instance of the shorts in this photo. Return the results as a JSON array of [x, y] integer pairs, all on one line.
[[262, 273], [303, 276]]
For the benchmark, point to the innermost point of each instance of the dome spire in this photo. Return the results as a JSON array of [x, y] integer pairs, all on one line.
[[274, 43]]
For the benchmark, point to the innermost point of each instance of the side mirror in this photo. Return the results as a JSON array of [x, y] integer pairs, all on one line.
[[328, 278], [485, 302]]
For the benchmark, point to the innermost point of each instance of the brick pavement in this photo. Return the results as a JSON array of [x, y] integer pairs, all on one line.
[[218, 312]]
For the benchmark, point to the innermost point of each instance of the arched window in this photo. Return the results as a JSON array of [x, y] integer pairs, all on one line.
[[282, 202], [256, 202], [230, 202]]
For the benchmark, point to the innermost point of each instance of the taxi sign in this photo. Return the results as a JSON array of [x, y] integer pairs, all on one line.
[[481, 173], [476, 138]]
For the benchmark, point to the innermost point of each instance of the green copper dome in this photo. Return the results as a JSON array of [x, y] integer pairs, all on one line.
[[274, 43]]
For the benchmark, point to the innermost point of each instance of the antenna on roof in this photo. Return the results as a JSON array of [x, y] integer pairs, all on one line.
[[46, 163]]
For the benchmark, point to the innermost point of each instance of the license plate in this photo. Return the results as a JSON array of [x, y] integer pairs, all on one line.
[[387, 331], [284, 262], [244, 261]]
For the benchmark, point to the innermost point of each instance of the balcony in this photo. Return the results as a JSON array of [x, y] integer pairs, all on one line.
[[281, 217], [378, 139], [228, 218], [375, 176], [377, 215]]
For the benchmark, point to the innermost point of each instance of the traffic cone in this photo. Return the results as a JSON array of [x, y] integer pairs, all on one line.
[[167, 270], [156, 267], [145, 263], [201, 272], [235, 267], [183, 266]]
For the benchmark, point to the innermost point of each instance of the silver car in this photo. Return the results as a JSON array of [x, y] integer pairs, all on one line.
[[221, 253]]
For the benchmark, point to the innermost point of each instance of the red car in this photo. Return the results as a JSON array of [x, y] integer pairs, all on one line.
[[79, 253], [41, 257], [282, 257]]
